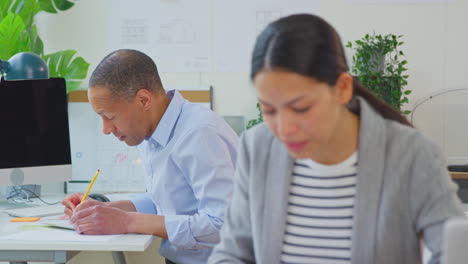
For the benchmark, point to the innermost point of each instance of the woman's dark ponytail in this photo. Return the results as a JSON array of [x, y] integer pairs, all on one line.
[[384, 109]]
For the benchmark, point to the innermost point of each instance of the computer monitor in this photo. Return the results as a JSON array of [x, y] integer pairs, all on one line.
[[34, 133], [237, 123]]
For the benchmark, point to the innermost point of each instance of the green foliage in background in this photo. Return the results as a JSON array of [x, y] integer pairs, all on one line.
[[379, 65], [18, 33], [258, 120]]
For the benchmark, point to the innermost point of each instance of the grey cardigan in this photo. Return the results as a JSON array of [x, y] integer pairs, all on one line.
[[403, 193]]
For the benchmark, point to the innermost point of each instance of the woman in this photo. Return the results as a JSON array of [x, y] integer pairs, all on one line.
[[334, 175]]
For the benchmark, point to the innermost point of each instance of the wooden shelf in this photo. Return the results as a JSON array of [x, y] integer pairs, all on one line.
[[196, 96], [459, 175]]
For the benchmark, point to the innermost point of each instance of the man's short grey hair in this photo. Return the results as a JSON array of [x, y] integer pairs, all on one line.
[[125, 72]]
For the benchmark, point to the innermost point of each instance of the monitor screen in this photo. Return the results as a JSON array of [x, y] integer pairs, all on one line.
[[34, 131]]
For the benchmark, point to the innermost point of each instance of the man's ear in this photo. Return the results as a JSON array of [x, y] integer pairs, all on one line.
[[344, 88], [144, 98]]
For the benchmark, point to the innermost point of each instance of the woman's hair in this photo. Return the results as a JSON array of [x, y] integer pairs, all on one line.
[[307, 45]]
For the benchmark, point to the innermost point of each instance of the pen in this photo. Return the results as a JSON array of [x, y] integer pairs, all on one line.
[[89, 187]]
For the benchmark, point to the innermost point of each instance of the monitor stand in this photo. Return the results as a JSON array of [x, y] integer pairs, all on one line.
[[27, 191], [21, 191]]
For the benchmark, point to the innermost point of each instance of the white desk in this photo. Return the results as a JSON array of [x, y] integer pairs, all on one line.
[[60, 251], [16, 251]]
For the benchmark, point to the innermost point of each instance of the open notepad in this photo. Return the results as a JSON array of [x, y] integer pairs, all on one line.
[[37, 211], [58, 223]]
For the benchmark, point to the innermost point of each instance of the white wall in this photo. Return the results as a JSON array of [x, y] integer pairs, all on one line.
[[435, 44], [434, 34]]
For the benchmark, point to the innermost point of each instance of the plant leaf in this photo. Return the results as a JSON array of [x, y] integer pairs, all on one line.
[[55, 5], [36, 45], [389, 84], [63, 5], [27, 10], [13, 37], [46, 5], [5, 7], [62, 65]]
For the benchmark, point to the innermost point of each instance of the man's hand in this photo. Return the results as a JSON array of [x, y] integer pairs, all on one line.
[[72, 201], [95, 219]]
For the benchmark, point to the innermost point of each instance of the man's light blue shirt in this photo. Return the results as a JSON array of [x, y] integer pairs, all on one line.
[[189, 166]]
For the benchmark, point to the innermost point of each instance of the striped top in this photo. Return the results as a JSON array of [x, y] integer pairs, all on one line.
[[320, 212]]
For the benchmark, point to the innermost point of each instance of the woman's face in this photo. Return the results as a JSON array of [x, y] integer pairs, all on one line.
[[302, 112]]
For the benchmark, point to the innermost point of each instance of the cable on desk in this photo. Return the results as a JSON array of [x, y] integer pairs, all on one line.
[[28, 195]]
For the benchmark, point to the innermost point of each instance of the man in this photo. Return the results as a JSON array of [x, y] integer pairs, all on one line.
[[188, 152]]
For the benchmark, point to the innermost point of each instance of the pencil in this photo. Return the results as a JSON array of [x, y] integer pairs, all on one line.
[[89, 187]]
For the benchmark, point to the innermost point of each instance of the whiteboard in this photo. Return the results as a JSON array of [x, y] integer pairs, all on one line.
[[121, 165]]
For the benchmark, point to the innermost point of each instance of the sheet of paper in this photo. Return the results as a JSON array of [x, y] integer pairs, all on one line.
[[237, 24], [58, 223]]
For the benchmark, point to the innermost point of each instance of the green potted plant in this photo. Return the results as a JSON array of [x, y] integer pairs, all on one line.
[[18, 33], [379, 65]]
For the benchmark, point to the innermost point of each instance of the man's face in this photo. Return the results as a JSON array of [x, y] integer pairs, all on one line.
[[121, 117]]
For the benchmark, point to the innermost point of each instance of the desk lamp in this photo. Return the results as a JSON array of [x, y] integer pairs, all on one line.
[[24, 66]]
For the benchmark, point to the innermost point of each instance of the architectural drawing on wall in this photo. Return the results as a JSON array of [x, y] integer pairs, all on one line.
[[134, 31], [234, 38], [176, 31], [176, 34]]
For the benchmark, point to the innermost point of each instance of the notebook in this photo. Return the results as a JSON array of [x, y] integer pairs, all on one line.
[[58, 223], [36, 211]]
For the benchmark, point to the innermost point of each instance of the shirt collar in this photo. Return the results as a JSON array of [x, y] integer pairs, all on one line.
[[169, 119]]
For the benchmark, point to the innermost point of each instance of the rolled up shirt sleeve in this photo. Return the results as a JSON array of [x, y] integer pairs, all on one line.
[[144, 204], [210, 172]]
